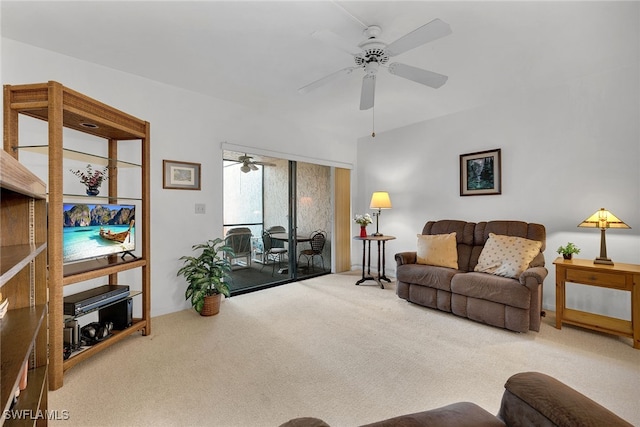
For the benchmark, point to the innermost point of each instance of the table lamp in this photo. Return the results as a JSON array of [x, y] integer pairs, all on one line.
[[379, 200], [603, 219]]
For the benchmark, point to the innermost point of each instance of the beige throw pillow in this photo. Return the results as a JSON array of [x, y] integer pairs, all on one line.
[[438, 249], [507, 256]]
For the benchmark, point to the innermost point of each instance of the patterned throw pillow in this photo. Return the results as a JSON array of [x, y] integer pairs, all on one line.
[[507, 256], [437, 249]]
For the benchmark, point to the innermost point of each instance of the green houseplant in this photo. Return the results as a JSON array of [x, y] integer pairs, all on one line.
[[206, 274], [568, 251]]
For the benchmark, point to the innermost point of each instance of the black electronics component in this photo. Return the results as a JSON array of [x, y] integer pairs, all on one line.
[[120, 314], [84, 302]]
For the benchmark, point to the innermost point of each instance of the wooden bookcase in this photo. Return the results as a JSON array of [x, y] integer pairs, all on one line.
[[63, 108], [23, 280]]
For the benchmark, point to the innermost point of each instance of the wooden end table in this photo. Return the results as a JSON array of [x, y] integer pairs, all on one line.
[[624, 277], [381, 275]]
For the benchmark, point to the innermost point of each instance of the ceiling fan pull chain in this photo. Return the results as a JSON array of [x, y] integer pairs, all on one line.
[[373, 122]]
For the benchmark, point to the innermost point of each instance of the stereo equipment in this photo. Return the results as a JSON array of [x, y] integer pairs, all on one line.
[[120, 314], [72, 333], [68, 337], [95, 332], [84, 302]]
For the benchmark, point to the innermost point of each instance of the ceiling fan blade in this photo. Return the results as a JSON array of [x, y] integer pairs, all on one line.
[[368, 91], [311, 86], [332, 39], [264, 164], [418, 75], [253, 167], [428, 32]]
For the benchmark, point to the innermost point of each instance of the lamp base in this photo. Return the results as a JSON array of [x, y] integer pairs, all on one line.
[[606, 261], [377, 234]]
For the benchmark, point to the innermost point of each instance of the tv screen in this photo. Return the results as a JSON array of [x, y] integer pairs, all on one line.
[[95, 230]]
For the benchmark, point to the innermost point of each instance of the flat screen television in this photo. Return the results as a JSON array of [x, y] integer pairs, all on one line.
[[97, 230]]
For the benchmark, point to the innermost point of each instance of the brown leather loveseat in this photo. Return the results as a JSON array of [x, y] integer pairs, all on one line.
[[529, 399], [503, 297]]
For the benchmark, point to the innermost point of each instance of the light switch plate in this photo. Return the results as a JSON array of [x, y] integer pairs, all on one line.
[[200, 208]]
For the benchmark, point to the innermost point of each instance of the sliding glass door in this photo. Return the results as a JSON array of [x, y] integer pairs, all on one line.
[[314, 219], [286, 207]]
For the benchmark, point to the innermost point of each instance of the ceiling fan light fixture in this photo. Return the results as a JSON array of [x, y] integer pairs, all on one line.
[[371, 67], [253, 167], [245, 168]]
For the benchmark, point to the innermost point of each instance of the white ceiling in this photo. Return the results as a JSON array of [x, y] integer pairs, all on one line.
[[259, 53]]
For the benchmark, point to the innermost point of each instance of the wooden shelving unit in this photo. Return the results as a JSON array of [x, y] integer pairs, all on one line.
[[23, 280], [61, 108]]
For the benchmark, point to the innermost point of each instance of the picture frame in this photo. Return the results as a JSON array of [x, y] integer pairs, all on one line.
[[180, 175], [481, 173]]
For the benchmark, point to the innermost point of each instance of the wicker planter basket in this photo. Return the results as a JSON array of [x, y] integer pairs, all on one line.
[[211, 305]]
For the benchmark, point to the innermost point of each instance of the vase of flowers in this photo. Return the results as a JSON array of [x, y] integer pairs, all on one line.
[[363, 221], [92, 178]]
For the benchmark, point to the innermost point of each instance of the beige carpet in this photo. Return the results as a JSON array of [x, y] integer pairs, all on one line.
[[326, 348]]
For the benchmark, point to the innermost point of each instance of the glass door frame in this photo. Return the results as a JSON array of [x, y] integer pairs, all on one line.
[[291, 223]]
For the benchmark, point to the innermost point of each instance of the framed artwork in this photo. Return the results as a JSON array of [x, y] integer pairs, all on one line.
[[180, 175], [480, 173]]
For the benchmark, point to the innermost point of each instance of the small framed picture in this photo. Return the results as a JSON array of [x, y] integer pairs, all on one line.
[[480, 173], [180, 175]]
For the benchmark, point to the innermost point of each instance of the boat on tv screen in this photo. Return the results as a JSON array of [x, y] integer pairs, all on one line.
[[97, 230]]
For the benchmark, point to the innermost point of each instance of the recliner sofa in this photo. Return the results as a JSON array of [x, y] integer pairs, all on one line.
[[529, 399], [513, 303]]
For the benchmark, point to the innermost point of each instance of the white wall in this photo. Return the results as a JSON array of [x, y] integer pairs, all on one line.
[[184, 126], [570, 145], [568, 149]]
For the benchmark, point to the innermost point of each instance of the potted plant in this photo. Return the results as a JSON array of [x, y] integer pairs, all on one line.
[[206, 275], [92, 178], [568, 251]]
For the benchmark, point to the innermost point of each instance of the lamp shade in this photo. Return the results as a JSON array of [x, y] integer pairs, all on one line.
[[380, 200], [603, 219]]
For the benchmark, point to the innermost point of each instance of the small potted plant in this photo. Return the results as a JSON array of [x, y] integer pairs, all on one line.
[[206, 275], [568, 251], [363, 221], [92, 178]]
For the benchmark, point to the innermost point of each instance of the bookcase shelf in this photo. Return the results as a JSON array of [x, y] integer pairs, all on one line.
[[138, 325], [79, 156], [63, 108], [23, 282], [16, 257], [92, 269], [82, 159]]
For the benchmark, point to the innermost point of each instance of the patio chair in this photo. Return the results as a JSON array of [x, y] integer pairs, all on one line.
[[277, 229], [318, 239], [271, 253], [239, 239]]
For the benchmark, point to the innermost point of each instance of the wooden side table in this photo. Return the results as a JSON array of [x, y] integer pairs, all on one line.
[[624, 277], [381, 275]]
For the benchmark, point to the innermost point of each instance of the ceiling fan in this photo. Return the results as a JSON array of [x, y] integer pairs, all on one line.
[[248, 164], [372, 53]]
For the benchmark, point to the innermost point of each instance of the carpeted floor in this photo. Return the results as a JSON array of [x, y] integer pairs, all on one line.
[[326, 348]]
